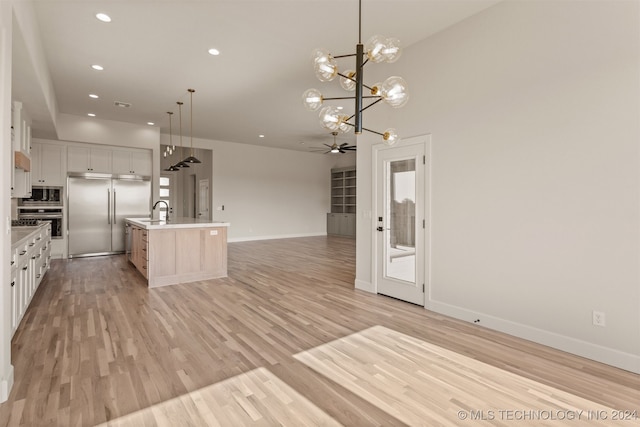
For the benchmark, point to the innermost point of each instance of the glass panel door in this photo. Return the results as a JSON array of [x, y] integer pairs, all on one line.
[[400, 215], [400, 236]]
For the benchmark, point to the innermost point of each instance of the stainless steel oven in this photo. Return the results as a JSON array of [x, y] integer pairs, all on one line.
[[46, 213], [45, 204]]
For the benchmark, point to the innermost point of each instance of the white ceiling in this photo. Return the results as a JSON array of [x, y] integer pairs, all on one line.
[[153, 51]]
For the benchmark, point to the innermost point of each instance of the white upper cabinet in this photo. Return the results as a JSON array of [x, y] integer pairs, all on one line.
[[85, 159], [47, 161], [21, 130], [132, 162], [21, 143]]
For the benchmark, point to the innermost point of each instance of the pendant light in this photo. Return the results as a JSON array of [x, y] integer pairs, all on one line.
[[170, 148], [191, 158], [182, 163]]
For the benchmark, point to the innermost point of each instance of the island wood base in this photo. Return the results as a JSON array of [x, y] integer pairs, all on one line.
[[180, 255]]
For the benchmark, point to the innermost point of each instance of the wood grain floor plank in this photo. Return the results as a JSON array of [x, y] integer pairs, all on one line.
[[97, 346]]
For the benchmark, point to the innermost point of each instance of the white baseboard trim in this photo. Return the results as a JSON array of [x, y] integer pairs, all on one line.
[[274, 237], [364, 286], [619, 359], [5, 385]]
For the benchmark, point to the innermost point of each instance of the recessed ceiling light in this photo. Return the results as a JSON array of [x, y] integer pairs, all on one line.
[[91, 115], [103, 17], [150, 123], [260, 136], [97, 67], [213, 51], [93, 95]]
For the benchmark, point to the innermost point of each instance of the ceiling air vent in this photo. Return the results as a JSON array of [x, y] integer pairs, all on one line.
[[122, 104]]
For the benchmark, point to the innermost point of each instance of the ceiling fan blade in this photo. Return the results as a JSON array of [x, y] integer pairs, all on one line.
[[344, 144], [351, 148], [327, 145]]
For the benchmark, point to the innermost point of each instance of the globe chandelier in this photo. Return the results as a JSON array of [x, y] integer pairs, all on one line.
[[392, 91]]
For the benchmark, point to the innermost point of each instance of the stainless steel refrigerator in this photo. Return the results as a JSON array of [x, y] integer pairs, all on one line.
[[97, 205]]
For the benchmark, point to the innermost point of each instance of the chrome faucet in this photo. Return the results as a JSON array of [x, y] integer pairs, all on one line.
[[156, 204]]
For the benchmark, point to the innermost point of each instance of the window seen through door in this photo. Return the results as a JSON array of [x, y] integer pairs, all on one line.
[[165, 195]]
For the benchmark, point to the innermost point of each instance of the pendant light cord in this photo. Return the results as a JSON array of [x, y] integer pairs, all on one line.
[[180, 117], [191, 109], [170, 131]]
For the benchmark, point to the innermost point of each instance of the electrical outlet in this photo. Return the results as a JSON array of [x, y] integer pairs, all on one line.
[[598, 318]]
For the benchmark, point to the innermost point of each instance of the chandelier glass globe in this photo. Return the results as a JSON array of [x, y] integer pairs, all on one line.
[[394, 91], [312, 99]]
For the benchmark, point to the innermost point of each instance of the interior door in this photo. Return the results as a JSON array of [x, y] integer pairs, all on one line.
[[400, 215], [203, 199]]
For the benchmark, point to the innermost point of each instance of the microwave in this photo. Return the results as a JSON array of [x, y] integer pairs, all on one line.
[[43, 196]]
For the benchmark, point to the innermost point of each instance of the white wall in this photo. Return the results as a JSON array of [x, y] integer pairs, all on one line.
[[268, 192], [533, 109], [6, 151]]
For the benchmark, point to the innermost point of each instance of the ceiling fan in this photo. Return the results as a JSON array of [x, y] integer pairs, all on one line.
[[337, 148]]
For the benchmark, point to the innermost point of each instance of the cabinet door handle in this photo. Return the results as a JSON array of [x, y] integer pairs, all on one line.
[[25, 267], [31, 244], [13, 284], [23, 252], [13, 262]]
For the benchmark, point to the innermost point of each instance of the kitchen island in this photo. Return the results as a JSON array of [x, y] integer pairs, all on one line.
[[182, 250]]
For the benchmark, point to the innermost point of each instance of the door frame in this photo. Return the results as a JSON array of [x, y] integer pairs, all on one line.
[[208, 192], [425, 264]]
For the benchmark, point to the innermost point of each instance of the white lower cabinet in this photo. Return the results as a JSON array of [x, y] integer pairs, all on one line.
[[14, 299], [30, 258]]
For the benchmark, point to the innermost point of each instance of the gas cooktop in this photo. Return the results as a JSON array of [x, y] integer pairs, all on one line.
[[25, 222]]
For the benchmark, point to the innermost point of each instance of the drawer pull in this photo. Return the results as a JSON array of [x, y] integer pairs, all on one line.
[[23, 252], [13, 262], [13, 284], [38, 276], [31, 244], [39, 238], [25, 267]]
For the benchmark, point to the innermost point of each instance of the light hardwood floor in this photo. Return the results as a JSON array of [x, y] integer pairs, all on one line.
[[276, 343]]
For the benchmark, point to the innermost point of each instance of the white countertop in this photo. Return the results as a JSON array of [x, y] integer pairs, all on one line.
[[180, 222], [18, 234]]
